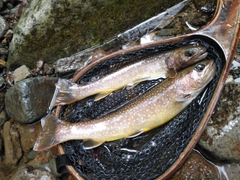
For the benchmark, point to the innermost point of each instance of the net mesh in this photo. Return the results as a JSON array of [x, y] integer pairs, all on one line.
[[150, 154]]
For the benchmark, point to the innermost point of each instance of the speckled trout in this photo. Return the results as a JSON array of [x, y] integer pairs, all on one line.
[[157, 66], [148, 111]]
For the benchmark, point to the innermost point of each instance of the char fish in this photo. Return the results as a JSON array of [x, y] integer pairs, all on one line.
[[154, 67], [150, 110]]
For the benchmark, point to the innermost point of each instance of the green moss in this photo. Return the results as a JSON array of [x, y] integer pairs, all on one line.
[[80, 25]]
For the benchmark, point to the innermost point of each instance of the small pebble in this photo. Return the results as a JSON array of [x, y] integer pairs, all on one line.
[[21, 73], [3, 63], [1, 4], [3, 51], [30, 173], [3, 117], [13, 150], [208, 8], [39, 64], [48, 69], [1, 145], [7, 37], [3, 26]]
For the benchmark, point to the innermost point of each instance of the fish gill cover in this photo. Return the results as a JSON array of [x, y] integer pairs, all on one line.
[[150, 154]]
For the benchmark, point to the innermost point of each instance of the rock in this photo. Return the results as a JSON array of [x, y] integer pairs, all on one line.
[[221, 136], [18, 142], [3, 117], [1, 145], [7, 37], [3, 51], [21, 73], [170, 23], [68, 176], [13, 150], [2, 96], [31, 155], [229, 171], [2, 63], [46, 160], [28, 100], [10, 18], [47, 69], [196, 167], [3, 26], [1, 4], [6, 171], [28, 135], [50, 30], [29, 173], [2, 87]]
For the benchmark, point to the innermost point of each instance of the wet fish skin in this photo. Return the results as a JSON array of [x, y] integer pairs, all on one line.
[[152, 109], [154, 67]]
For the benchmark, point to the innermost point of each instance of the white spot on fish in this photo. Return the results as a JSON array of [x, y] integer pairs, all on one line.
[[74, 129]]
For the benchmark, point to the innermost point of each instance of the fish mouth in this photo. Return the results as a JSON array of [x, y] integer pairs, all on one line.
[[212, 66], [201, 56], [210, 70]]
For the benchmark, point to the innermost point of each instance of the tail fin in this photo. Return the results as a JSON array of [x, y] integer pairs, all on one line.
[[65, 94], [48, 137]]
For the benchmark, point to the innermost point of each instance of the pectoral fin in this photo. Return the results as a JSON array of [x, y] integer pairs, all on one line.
[[172, 73], [102, 95], [89, 144], [132, 85], [184, 98], [135, 134]]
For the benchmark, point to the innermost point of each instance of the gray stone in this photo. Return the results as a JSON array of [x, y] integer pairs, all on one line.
[[1, 145], [2, 97], [221, 136], [31, 155], [3, 51], [229, 171], [29, 173], [12, 145], [21, 73], [196, 167], [3, 117], [3, 26], [50, 30], [28, 135], [46, 160], [28, 100], [1, 4]]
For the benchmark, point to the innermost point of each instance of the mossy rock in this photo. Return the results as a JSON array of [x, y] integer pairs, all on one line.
[[49, 30]]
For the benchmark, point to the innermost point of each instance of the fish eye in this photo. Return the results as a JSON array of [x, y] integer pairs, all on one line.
[[189, 52], [199, 67]]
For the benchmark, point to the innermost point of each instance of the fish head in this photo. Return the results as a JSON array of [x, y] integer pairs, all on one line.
[[202, 73], [186, 56], [195, 79]]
